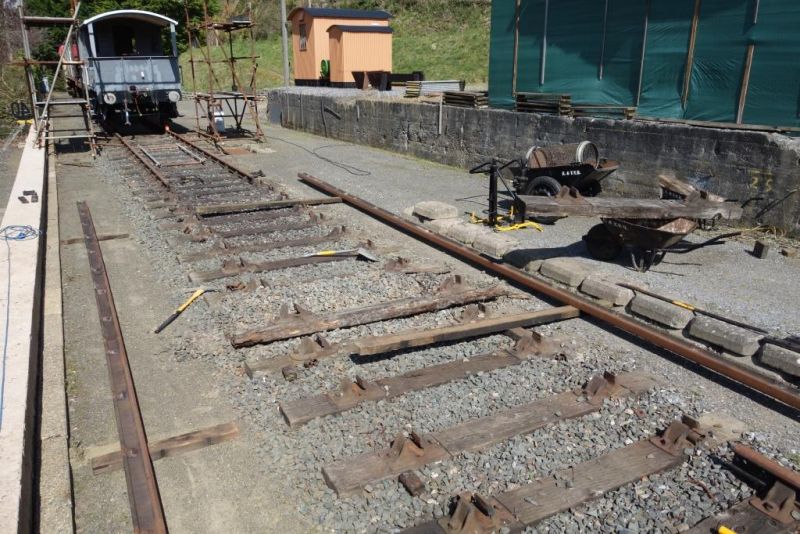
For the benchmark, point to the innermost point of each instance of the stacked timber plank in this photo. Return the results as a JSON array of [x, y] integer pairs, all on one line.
[[602, 110], [544, 103], [428, 87], [467, 99], [562, 104]]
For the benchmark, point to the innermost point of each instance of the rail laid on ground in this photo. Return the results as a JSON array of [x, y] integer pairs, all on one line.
[[662, 340], [147, 513], [217, 213]]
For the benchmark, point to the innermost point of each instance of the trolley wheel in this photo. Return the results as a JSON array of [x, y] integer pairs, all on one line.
[[543, 186], [601, 243]]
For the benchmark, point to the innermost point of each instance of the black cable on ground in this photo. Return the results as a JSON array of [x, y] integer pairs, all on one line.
[[355, 171]]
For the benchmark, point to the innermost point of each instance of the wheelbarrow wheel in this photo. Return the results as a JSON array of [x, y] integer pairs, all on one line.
[[601, 243], [543, 186]]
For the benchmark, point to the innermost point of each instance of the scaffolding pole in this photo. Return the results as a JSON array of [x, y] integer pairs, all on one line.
[[236, 99]]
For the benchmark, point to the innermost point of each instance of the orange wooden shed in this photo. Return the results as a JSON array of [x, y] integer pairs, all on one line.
[[311, 42], [358, 49]]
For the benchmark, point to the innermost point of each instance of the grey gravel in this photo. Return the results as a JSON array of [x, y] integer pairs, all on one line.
[[668, 502]]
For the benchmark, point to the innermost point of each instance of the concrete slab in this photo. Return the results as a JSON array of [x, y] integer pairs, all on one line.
[[564, 270], [734, 339], [464, 232], [494, 245], [780, 358], [433, 209], [607, 290], [440, 226], [661, 312], [20, 310]]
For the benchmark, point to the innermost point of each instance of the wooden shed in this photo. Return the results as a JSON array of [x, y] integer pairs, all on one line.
[[358, 49], [311, 41]]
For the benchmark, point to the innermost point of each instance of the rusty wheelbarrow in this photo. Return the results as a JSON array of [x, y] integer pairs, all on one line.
[[648, 240]]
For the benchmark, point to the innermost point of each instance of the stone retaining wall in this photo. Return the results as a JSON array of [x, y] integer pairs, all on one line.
[[734, 163]]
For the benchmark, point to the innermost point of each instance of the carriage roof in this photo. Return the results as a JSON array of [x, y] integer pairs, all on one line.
[[146, 16]]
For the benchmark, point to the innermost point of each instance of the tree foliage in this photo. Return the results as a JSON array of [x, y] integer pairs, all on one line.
[[173, 9], [12, 79]]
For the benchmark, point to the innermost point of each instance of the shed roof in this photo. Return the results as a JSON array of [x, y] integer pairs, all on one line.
[[360, 29], [332, 13], [146, 16]]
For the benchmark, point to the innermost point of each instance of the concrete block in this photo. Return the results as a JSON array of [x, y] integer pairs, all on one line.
[[607, 290], [433, 209], [661, 312], [464, 232], [493, 244], [440, 225], [564, 270], [761, 250], [732, 338], [533, 266], [780, 358]]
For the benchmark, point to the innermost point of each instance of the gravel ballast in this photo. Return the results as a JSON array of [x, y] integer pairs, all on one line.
[[668, 502]]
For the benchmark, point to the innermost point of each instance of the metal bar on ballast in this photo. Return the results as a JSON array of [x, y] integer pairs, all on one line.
[[543, 60], [644, 49], [603, 43]]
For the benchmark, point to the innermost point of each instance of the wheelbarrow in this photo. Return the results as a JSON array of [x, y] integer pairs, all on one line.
[[545, 170], [647, 240]]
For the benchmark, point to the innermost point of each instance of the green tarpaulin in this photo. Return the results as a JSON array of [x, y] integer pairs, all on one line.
[[629, 52]]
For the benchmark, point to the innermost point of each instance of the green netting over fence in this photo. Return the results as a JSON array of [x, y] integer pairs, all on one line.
[[629, 52]]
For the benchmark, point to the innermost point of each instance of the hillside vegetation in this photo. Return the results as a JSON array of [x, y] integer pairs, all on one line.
[[446, 39]]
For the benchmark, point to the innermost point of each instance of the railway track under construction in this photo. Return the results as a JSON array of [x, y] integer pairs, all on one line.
[[240, 236]]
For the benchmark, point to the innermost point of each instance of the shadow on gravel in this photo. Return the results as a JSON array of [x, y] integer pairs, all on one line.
[[521, 257], [71, 146]]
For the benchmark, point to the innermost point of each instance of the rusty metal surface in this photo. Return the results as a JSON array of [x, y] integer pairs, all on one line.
[[778, 503], [789, 477], [210, 155], [148, 164], [766, 386], [147, 513]]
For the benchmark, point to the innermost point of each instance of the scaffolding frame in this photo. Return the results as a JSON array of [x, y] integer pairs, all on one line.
[[217, 102], [45, 130]]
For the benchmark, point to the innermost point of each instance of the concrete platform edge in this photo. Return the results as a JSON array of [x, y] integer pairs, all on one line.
[[18, 431], [55, 482]]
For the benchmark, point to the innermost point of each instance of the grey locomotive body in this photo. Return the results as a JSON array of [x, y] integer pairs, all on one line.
[[131, 64]]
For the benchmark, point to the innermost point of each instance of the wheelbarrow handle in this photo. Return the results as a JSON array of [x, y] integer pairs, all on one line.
[[481, 167], [486, 166], [713, 241]]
